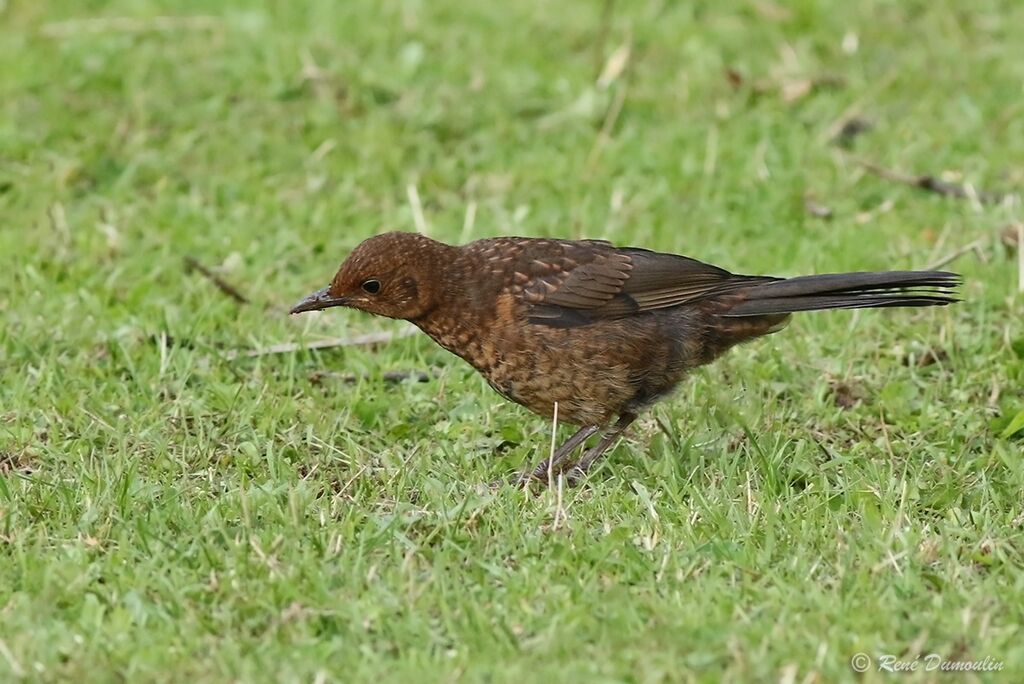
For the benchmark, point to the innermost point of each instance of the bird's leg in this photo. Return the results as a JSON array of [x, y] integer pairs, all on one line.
[[597, 451], [553, 462]]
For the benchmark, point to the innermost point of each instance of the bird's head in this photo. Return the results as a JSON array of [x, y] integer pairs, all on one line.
[[395, 275]]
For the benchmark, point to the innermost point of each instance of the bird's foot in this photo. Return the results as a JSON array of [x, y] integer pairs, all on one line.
[[518, 480], [533, 480], [575, 476]]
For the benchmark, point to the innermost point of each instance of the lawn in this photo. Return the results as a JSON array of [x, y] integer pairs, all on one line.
[[173, 509]]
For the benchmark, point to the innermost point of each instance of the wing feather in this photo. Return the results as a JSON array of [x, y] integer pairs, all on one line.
[[587, 281]]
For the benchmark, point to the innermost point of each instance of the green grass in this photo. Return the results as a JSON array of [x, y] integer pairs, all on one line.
[[167, 513]]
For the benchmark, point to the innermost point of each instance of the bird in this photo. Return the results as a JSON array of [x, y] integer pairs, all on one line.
[[587, 333]]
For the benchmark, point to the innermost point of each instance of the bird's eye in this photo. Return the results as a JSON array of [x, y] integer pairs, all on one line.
[[372, 286]]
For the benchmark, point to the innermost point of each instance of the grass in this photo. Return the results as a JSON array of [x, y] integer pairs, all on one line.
[[168, 514]]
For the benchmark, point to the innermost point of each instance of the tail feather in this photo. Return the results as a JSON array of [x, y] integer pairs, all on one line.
[[847, 291]]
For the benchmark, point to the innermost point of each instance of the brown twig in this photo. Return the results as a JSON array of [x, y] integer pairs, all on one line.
[[955, 254], [389, 377], [192, 264], [932, 184], [789, 89], [318, 345]]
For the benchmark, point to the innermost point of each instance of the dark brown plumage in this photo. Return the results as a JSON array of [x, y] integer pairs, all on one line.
[[598, 330]]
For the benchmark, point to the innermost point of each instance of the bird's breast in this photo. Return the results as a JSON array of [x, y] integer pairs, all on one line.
[[582, 370]]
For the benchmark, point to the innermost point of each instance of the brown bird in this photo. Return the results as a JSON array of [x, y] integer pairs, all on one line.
[[600, 331]]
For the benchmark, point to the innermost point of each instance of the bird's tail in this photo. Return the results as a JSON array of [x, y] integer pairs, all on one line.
[[844, 291]]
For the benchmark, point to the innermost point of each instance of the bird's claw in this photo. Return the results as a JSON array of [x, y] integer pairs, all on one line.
[[531, 479], [575, 476], [517, 480]]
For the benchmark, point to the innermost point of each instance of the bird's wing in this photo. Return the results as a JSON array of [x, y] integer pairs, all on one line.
[[589, 281], [575, 275]]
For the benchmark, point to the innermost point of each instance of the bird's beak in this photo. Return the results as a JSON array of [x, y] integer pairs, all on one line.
[[321, 299]]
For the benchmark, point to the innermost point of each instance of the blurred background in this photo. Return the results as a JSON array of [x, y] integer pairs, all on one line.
[[174, 175], [268, 138]]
